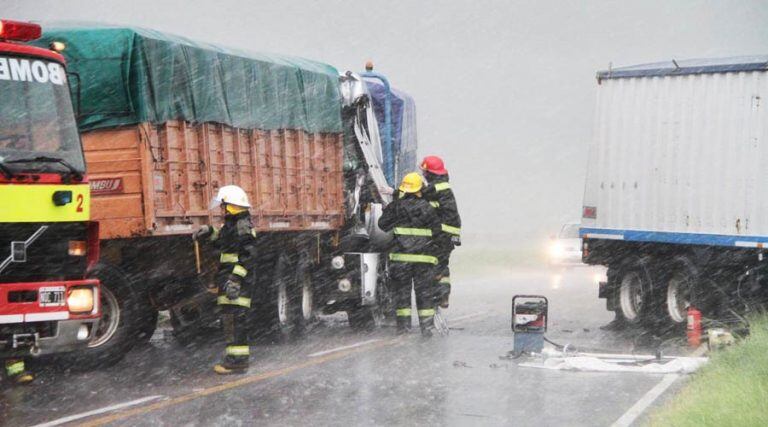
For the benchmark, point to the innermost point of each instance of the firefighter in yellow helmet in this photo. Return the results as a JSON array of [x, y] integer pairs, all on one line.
[[236, 244], [412, 259]]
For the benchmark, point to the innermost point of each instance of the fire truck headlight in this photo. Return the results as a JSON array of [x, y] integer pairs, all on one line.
[[80, 300], [337, 262]]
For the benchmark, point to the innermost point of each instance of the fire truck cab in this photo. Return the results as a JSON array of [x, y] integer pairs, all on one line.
[[47, 243]]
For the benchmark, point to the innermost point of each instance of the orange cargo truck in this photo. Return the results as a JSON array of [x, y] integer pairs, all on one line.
[[166, 121]]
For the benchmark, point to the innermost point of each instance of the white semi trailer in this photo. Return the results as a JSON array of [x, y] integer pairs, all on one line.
[[675, 203]]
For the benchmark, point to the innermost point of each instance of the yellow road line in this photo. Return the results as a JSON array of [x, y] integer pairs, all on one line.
[[233, 384]]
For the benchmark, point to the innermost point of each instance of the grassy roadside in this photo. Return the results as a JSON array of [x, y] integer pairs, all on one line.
[[731, 390]]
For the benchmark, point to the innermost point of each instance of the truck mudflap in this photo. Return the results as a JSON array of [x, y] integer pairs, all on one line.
[[43, 318]]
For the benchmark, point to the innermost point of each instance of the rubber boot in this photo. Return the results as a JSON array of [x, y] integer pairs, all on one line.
[[427, 326], [17, 372], [232, 365], [24, 378], [403, 325]]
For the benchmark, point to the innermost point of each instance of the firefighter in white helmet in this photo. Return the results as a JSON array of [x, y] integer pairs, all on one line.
[[236, 243]]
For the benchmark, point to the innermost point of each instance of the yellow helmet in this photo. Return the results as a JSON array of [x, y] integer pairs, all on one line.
[[412, 183]]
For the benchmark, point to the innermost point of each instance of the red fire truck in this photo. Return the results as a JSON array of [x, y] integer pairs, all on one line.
[[47, 243]]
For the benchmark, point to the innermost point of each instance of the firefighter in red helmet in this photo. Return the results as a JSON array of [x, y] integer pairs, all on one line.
[[440, 196]]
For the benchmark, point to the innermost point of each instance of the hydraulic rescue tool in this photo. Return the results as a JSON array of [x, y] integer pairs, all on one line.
[[529, 322]]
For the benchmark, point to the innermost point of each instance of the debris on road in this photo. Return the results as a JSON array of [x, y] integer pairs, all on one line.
[[618, 363]]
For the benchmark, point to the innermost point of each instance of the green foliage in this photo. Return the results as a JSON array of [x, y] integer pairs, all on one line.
[[731, 390]]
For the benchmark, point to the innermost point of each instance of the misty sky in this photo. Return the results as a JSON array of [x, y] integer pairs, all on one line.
[[504, 89]]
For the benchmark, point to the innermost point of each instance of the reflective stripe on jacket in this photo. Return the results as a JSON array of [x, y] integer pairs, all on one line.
[[414, 224], [440, 195]]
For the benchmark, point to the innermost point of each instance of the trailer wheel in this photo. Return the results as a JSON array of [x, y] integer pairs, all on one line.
[[634, 296], [680, 288]]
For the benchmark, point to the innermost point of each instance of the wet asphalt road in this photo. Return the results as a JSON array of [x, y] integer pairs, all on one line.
[[339, 377]]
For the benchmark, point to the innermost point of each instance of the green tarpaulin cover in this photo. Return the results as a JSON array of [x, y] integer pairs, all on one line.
[[131, 75]]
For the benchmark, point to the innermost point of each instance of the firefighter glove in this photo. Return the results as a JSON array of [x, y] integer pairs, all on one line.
[[232, 289], [203, 232]]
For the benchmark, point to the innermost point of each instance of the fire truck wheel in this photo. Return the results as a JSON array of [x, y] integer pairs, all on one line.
[[122, 320]]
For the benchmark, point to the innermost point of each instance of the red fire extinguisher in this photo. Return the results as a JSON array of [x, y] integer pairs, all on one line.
[[694, 327]]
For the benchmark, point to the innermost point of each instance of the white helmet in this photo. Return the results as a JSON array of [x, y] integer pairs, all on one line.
[[231, 195]]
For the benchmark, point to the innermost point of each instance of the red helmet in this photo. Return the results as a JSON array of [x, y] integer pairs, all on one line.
[[434, 164]]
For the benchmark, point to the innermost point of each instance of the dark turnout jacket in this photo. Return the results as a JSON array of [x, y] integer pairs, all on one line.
[[414, 223], [440, 195], [237, 242]]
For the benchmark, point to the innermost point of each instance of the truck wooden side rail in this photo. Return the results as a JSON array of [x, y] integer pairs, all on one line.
[[158, 180]]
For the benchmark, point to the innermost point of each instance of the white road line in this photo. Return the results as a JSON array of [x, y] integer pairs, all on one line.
[[76, 417], [345, 347], [465, 317], [638, 408]]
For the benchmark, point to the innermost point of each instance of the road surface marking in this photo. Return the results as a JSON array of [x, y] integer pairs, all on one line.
[[342, 348], [76, 417], [465, 317], [638, 408], [316, 359], [252, 379]]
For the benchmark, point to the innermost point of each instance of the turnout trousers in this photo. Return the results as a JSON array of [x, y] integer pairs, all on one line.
[[234, 322], [421, 277], [443, 275]]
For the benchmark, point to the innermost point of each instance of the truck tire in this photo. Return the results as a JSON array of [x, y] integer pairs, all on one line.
[[634, 294], [679, 291], [283, 312], [148, 326], [125, 321], [306, 315]]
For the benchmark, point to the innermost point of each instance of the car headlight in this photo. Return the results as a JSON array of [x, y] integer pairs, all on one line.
[[80, 300], [556, 249], [337, 262], [600, 277]]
